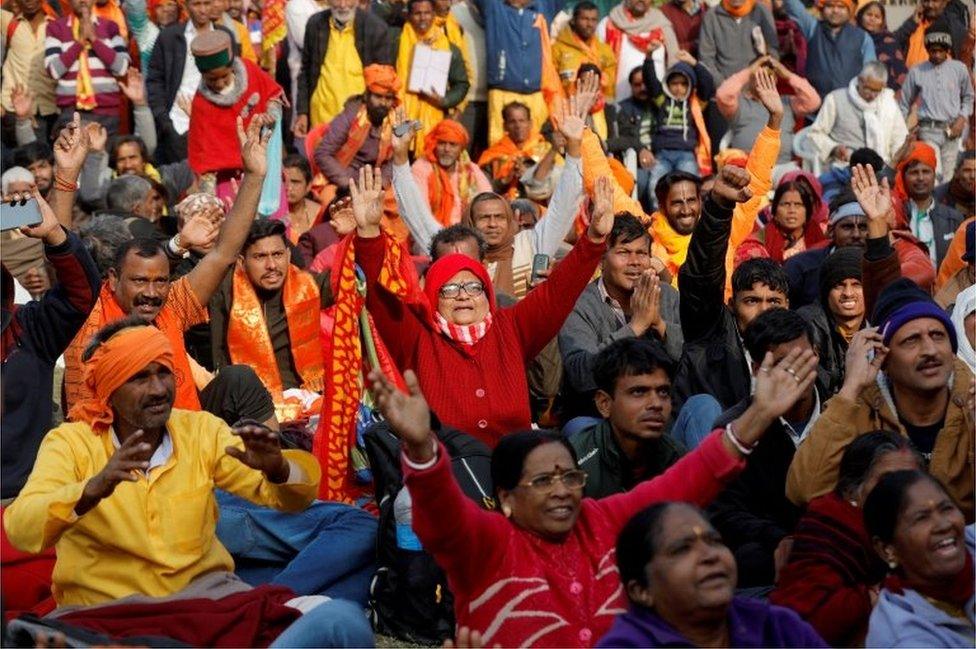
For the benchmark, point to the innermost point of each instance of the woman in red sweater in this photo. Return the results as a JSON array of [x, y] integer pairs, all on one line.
[[792, 227], [470, 356]]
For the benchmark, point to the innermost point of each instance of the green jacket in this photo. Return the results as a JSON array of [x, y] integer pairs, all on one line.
[[608, 469]]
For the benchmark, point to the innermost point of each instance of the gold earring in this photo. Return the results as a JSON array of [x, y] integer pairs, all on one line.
[[506, 511]]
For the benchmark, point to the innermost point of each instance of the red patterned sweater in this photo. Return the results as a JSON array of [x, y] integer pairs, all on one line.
[[520, 590]]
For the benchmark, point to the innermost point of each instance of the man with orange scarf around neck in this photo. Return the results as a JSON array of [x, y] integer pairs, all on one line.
[[139, 284], [125, 495], [636, 30], [510, 157], [428, 107], [445, 175]]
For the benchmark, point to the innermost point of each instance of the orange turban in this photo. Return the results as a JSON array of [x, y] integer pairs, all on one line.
[[446, 131], [742, 10], [848, 3], [114, 362], [381, 79], [920, 152]]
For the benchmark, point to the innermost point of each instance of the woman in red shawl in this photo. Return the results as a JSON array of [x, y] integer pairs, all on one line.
[[792, 227]]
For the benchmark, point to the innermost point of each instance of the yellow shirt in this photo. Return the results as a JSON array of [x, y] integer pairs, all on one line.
[[150, 537], [341, 76]]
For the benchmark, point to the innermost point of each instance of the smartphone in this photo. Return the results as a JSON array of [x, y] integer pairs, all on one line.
[[402, 129], [19, 214], [539, 263]]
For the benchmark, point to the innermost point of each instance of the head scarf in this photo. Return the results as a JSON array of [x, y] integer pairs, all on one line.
[[440, 188], [848, 3], [920, 152], [965, 304], [212, 49], [738, 12], [501, 254], [381, 79], [114, 362], [439, 274]]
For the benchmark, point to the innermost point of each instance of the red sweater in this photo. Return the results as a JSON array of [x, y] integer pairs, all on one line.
[[520, 590], [480, 389]]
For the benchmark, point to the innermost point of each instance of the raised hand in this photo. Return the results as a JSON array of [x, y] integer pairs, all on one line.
[[133, 87], [71, 148], [732, 186], [49, 229], [864, 357], [341, 217], [367, 201], [22, 99], [300, 127], [587, 92], [262, 451], [764, 82], [686, 57], [254, 145], [408, 414], [873, 197], [97, 136], [402, 143], [602, 220], [572, 121], [779, 386], [200, 231], [131, 456]]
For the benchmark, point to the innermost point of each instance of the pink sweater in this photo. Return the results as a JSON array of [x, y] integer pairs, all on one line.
[[520, 590]]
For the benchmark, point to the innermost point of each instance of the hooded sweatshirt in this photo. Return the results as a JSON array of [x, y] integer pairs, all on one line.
[[676, 126]]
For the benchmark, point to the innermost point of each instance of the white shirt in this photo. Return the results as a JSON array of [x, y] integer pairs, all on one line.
[[188, 85], [814, 416], [630, 58]]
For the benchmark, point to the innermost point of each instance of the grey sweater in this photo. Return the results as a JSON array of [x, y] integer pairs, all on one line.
[[593, 325], [726, 45]]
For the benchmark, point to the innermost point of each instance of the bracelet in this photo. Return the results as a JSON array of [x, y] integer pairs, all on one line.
[[737, 443], [63, 185], [426, 465]]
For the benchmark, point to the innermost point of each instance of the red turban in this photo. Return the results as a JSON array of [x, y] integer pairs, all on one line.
[[381, 79], [446, 131], [920, 152], [442, 270], [114, 362]]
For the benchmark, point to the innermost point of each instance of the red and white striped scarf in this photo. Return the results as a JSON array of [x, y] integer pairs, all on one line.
[[464, 334]]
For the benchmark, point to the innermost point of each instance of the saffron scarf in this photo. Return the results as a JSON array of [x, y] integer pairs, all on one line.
[[248, 341], [741, 11], [108, 310], [503, 154], [440, 187], [916, 45], [668, 245], [415, 105], [641, 32], [551, 86], [84, 88], [358, 133], [356, 349]]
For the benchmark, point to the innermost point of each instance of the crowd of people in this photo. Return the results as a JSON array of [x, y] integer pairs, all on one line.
[[488, 323]]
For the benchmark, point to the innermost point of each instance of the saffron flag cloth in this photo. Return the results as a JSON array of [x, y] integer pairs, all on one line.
[[273, 27], [356, 350]]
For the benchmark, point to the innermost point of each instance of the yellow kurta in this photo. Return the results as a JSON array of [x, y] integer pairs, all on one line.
[[416, 106], [341, 76], [151, 537]]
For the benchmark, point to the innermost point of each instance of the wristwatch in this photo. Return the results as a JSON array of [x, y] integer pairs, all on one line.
[[176, 248]]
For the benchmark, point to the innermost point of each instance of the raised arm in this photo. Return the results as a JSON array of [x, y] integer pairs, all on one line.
[[799, 13], [414, 209], [207, 275], [70, 150], [727, 95]]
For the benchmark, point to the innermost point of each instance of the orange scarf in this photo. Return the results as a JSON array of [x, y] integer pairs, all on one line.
[[106, 311], [667, 245], [114, 362], [346, 366], [739, 12], [703, 152], [552, 87], [358, 133], [916, 45], [84, 88], [248, 341], [440, 188], [503, 154]]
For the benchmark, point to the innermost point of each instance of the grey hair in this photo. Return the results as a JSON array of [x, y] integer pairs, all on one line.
[[874, 70], [103, 235], [15, 175], [126, 192]]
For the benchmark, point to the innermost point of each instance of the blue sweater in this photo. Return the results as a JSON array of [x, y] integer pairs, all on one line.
[[513, 45]]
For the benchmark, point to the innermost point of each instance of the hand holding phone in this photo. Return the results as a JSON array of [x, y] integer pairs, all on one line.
[[540, 264], [17, 212]]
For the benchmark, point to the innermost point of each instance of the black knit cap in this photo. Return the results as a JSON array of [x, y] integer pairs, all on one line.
[[843, 263], [900, 292]]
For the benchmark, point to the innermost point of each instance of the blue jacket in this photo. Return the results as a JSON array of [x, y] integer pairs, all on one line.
[[512, 43], [910, 620]]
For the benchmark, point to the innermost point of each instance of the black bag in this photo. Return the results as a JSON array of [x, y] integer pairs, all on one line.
[[409, 597]]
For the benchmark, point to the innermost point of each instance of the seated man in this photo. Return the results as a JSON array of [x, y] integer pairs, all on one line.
[[679, 198], [509, 158], [266, 314], [752, 513], [124, 494], [626, 301], [958, 193], [863, 114], [445, 175], [634, 399], [139, 284]]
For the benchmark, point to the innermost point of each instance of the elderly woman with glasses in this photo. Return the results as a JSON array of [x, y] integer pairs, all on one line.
[[543, 572]]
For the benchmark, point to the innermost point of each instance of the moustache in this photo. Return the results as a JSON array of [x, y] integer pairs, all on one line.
[[148, 301]]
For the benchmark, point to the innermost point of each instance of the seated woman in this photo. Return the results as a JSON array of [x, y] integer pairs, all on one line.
[[680, 579], [833, 574], [542, 573], [792, 227], [927, 599]]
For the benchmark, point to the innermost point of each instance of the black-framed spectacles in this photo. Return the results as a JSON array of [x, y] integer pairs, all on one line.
[[471, 289], [575, 479]]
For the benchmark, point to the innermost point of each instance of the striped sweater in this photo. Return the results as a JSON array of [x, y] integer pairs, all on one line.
[[108, 58]]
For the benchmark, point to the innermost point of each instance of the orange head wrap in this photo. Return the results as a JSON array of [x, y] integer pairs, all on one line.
[[848, 3], [446, 131], [381, 79], [920, 152], [154, 5], [742, 10], [114, 362]]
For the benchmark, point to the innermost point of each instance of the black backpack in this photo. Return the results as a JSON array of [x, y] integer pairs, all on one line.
[[409, 597]]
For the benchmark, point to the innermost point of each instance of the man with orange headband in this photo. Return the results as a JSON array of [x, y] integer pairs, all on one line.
[[125, 495], [837, 48], [445, 175]]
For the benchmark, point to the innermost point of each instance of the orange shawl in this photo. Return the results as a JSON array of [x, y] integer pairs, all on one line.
[[503, 154], [703, 152], [248, 342], [358, 133], [347, 364], [739, 12], [440, 189]]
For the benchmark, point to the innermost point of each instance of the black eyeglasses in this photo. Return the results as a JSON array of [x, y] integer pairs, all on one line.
[[471, 289], [575, 479]]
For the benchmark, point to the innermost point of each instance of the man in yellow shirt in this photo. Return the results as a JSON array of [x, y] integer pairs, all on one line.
[[577, 44], [125, 494]]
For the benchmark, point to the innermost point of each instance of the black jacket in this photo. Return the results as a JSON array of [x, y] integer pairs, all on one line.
[[803, 272], [753, 514], [713, 360], [829, 344], [372, 43], [34, 336], [624, 125], [165, 71]]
